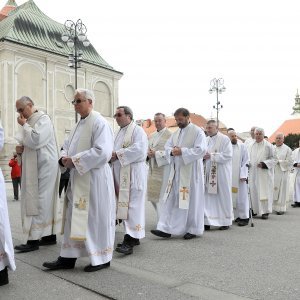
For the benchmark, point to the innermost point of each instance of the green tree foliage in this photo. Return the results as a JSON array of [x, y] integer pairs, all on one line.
[[292, 140]]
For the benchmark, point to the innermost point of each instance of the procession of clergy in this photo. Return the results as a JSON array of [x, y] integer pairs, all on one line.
[[196, 180]]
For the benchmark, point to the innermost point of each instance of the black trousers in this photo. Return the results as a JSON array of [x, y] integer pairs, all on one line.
[[63, 184], [16, 183]]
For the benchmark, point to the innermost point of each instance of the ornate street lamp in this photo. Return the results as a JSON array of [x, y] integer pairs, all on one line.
[[217, 85], [75, 33]]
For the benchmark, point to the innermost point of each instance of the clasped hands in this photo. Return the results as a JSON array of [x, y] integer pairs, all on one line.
[[67, 162], [176, 151]]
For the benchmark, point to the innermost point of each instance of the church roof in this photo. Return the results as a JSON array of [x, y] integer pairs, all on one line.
[[29, 26], [287, 127]]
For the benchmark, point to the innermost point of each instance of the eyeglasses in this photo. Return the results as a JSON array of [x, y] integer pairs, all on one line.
[[77, 101], [118, 115], [20, 110]]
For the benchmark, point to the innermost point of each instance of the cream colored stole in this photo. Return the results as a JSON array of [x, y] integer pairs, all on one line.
[[236, 165], [262, 174], [185, 170], [153, 142], [30, 195], [213, 173], [81, 183], [124, 186]]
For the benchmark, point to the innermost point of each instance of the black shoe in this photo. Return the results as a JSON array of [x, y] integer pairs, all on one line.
[[279, 213], [48, 240], [60, 263], [265, 216], [125, 249], [237, 220], [295, 204], [189, 236], [3, 276], [160, 233], [130, 241], [206, 227], [243, 222], [91, 268], [224, 228], [31, 245]]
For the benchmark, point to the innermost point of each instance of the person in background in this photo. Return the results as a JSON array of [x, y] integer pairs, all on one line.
[[15, 175]]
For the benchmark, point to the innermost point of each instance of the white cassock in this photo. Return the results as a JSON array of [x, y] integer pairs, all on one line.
[[100, 233], [296, 175], [240, 162], [218, 209], [175, 220], [41, 138], [284, 162], [135, 156], [261, 181], [6, 245]]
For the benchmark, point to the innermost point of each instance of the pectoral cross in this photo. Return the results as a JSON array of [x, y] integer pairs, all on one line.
[[185, 191]]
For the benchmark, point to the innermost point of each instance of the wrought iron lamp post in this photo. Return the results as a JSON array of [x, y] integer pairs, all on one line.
[[217, 85], [74, 34]]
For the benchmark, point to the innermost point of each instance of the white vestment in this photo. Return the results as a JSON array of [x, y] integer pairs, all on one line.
[[240, 157], [157, 142], [6, 244], [175, 220], [41, 138], [261, 181], [218, 209], [296, 175], [100, 233], [135, 156], [284, 161]]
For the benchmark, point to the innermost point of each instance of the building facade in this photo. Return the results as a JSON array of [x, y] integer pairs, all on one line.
[[33, 62]]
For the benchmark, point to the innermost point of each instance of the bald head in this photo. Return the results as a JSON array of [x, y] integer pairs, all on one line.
[[233, 137]]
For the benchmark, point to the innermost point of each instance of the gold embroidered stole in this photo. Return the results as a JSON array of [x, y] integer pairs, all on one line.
[[236, 166], [213, 172], [81, 183], [30, 191], [185, 170], [124, 186]]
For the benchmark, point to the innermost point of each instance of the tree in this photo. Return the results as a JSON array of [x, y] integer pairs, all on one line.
[[292, 140]]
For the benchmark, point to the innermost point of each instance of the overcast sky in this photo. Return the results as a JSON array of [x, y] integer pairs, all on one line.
[[169, 51]]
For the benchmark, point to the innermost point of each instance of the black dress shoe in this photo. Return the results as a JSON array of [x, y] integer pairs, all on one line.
[[160, 233], [295, 204], [279, 213], [3, 276], [243, 222], [125, 249], [60, 263], [91, 268], [265, 216], [129, 241], [236, 220], [224, 228], [189, 236], [48, 240], [30, 246], [206, 227]]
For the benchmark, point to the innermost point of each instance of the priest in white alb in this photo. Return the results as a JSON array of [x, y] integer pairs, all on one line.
[[261, 175], [239, 190], [296, 177], [218, 209], [156, 159], [284, 162], [40, 176], [88, 225], [130, 176], [182, 211], [7, 260], [250, 140]]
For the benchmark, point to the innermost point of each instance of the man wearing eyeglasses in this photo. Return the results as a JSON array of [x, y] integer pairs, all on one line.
[[39, 181], [130, 177], [89, 216]]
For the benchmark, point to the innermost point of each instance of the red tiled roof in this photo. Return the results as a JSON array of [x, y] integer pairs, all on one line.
[[5, 11], [287, 127]]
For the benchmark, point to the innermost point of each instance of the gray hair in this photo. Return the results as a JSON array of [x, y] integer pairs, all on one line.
[[279, 133], [87, 94], [258, 129], [127, 111], [25, 100]]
